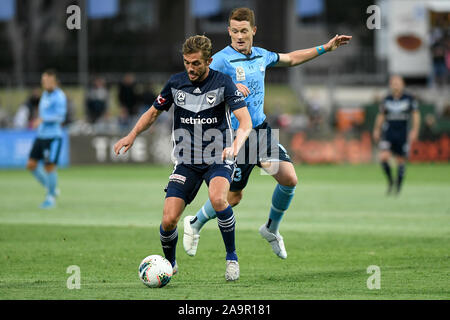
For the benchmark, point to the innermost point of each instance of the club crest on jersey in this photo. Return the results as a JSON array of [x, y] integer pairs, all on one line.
[[180, 98], [160, 100], [211, 98], [240, 74]]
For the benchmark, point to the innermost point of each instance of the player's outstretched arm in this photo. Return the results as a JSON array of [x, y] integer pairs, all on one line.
[[144, 122], [244, 129], [297, 57]]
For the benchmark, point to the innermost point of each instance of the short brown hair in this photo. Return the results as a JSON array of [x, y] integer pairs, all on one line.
[[243, 14], [198, 43], [51, 72]]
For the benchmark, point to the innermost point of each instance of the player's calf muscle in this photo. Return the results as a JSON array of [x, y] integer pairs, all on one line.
[[234, 197]]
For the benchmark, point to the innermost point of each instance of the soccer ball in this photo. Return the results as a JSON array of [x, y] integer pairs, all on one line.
[[155, 271]]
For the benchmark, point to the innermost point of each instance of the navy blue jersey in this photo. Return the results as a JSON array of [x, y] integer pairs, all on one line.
[[397, 113], [202, 124]]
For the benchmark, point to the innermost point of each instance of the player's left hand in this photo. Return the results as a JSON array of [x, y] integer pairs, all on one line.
[[243, 89], [336, 42], [413, 135]]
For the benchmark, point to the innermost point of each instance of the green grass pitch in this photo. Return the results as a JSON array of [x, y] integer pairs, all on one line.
[[340, 223]]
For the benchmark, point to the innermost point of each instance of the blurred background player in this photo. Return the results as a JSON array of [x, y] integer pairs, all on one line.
[[199, 95], [47, 145], [391, 130], [247, 65]]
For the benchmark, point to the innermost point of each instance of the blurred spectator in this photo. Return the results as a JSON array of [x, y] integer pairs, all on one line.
[[439, 52], [447, 55], [315, 114], [3, 116], [70, 113], [147, 98], [97, 100], [127, 100], [28, 112], [446, 112], [439, 65], [429, 131]]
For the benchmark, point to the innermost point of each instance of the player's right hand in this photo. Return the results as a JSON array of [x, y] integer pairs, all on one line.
[[243, 89], [125, 142], [376, 136]]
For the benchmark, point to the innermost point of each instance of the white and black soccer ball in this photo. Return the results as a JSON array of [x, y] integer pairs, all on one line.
[[155, 271]]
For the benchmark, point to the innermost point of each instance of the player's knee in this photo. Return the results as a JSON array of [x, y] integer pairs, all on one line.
[[31, 165], [384, 157], [169, 220], [49, 167], [234, 198], [218, 202], [168, 223], [290, 181]]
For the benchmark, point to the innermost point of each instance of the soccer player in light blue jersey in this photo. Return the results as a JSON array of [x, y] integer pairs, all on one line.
[[47, 145], [247, 66]]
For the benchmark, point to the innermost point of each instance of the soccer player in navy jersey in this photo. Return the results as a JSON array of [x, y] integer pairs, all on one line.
[[247, 65], [391, 130], [204, 149], [47, 145]]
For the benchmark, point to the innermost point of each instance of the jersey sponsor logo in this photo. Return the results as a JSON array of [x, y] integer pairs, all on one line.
[[261, 68], [192, 120], [397, 106], [238, 100], [178, 178], [397, 116], [211, 98], [161, 100], [181, 98], [240, 74]]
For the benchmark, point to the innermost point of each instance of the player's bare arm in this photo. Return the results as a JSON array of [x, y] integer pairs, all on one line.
[[414, 133], [377, 127], [144, 122], [297, 57], [242, 133]]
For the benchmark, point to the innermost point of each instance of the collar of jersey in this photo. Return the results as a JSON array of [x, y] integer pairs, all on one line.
[[248, 56], [200, 83]]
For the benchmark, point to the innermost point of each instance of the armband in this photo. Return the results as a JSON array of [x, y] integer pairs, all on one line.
[[320, 50]]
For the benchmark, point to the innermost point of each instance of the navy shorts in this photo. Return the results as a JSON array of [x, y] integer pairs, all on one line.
[[46, 149], [396, 144], [261, 146], [186, 180]]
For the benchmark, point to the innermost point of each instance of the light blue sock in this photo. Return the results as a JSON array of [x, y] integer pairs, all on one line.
[[52, 178], [281, 199], [40, 175], [203, 215]]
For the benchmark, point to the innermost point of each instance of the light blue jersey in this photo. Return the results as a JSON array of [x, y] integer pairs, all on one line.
[[249, 70], [52, 111]]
